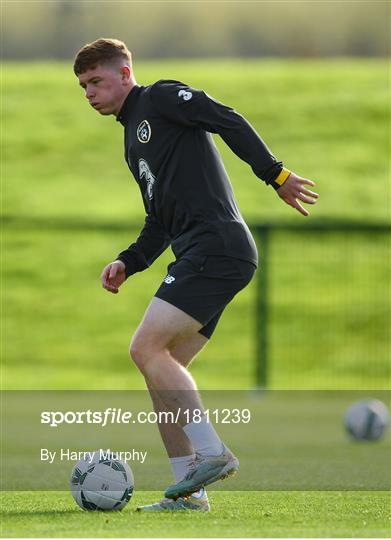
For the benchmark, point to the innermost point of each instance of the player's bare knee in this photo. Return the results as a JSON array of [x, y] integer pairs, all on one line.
[[143, 353], [137, 353]]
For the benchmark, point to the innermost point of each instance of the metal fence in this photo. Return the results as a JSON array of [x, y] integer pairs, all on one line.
[[322, 301], [323, 304]]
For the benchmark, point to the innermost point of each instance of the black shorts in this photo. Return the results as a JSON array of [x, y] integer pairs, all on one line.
[[202, 286]]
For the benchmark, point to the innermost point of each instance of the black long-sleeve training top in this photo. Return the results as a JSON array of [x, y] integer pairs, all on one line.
[[185, 188]]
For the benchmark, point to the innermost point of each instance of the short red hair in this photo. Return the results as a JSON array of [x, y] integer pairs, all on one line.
[[101, 51]]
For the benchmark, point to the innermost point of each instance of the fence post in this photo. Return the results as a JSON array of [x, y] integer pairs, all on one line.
[[262, 312]]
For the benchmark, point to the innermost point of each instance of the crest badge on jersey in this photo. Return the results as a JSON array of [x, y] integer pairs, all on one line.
[[144, 132]]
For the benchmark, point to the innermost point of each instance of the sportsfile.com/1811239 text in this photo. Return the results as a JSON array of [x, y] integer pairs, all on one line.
[[112, 415]]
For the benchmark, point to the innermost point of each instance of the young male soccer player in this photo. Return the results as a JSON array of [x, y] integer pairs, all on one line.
[[189, 205]]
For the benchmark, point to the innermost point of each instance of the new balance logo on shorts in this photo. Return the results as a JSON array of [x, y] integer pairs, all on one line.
[[169, 279]]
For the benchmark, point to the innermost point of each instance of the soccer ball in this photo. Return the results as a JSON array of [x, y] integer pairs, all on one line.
[[102, 483], [367, 419]]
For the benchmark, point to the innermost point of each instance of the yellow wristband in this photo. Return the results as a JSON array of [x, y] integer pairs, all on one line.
[[282, 177]]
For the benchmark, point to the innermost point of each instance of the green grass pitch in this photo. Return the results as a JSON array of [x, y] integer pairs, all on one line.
[[234, 514]]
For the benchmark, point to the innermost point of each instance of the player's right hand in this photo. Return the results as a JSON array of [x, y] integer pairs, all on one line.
[[113, 276]]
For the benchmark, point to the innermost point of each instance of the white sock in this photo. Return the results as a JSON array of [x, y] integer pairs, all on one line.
[[204, 438], [180, 467]]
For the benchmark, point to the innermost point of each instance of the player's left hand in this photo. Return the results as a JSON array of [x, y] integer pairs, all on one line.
[[293, 190]]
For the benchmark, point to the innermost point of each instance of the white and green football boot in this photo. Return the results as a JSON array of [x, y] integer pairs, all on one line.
[[195, 502], [203, 471]]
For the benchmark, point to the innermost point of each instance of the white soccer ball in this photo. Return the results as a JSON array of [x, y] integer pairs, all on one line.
[[102, 483], [367, 419]]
